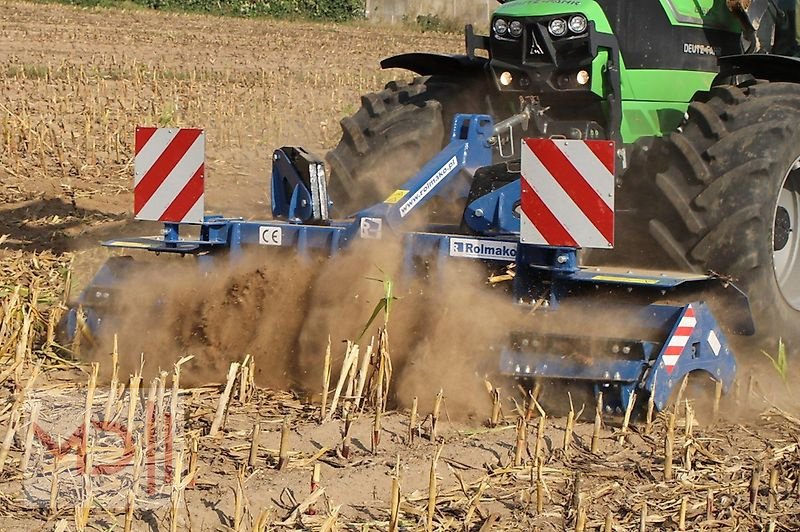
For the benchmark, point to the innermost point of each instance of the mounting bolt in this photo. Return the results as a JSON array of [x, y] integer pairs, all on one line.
[[562, 259], [479, 213]]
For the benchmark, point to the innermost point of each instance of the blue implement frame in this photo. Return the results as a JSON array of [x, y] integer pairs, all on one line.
[[543, 275]]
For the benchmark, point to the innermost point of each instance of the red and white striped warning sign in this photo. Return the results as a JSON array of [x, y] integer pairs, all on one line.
[[677, 342], [567, 193], [168, 174]]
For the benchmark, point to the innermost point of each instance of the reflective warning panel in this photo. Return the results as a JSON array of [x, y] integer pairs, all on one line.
[[567, 193], [169, 166]]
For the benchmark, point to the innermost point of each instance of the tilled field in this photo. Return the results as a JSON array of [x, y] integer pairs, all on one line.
[[75, 83]]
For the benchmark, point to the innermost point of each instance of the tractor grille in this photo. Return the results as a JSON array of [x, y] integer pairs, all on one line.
[[535, 47]]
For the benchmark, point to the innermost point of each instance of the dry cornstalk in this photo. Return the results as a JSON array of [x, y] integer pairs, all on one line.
[[437, 405], [329, 525], [537, 450], [530, 410], [83, 510], [580, 520], [384, 364], [394, 509], [32, 420], [23, 342], [774, 477], [54, 481], [244, 380], [160, 382], [577, 491], [376, 420], [577, 499], [755, 484], [251, 379], [238, 501], [569, 426], [598, 424], [133, 401], [194, 449], [521, 443], [326, 381], [13, 426], [669, 444], [138, 458], [87, 412], [494, 420], [709, 504], [175, 495], [222, 406], [112, 389], [643, 517], [262, 522], [681, 392], [688, 457], [688, 424], [376, 424], [150, 435], [346, 363], [432, 491], [363, 370], [254, 441], [717, 399], [412, 421], [80, 329], [608, 526], [351, 384], [682, 513], [176, 384], [539, 486], [473, 504], [651, 406], [9, 314], [348, 423], [315, 477], [283, 453], [627, 419]]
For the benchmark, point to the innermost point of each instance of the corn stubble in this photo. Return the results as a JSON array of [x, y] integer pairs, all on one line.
[[73, 129]]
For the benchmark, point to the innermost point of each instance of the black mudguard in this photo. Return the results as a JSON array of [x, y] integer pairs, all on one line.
[[426, 64], [771, 67]]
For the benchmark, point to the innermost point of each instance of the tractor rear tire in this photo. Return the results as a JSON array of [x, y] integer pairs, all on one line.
[[726, 199], [393, 134]]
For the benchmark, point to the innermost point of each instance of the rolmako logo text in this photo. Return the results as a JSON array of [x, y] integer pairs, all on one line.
[[472, 248]]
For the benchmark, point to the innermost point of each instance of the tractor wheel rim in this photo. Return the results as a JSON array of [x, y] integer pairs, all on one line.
[[786, 237]]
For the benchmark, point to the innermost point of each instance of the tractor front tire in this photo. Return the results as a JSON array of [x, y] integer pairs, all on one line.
[[727, 199], [394, 133]]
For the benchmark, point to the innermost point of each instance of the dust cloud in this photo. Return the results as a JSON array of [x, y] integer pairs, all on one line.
[[446, 327], [281, 309]]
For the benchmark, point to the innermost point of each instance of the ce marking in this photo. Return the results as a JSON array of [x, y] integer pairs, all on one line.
[[269, 236]]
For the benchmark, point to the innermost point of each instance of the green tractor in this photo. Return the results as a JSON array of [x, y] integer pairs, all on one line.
[[701, 97]]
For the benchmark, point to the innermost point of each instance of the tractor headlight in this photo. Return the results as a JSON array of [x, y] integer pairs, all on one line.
[[515, 28], [500, 26], [557, 27], [577, 24]]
